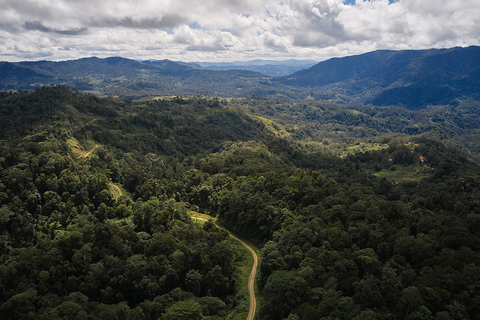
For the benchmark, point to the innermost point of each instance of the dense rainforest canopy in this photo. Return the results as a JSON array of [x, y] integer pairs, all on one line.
[[360, 212]]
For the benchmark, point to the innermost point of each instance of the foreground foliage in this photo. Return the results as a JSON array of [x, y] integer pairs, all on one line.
[[337, 242]]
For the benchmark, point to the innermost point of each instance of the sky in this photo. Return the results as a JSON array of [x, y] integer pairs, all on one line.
[[230, 30]]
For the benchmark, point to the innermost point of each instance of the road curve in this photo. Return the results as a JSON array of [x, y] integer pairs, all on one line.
[[119, 191], [251, 279]]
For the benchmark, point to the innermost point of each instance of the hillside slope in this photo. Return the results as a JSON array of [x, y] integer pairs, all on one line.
[[413, 79], [410, 78], [76, 239], [126, 77], [171, 128], [390, 232]]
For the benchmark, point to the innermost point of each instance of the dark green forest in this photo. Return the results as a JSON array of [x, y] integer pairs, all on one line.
[[360, 212]]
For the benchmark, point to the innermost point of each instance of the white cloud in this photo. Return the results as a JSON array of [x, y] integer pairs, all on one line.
[[230, 29]]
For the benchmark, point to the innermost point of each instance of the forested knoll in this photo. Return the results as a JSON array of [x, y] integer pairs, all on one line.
[[337, 242]]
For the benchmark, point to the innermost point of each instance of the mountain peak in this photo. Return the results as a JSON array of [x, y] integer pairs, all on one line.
[[410, 78]]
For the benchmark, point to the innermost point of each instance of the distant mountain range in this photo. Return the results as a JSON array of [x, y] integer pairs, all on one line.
[[125, 77], [413, 78], [267, 67], [274, 68]]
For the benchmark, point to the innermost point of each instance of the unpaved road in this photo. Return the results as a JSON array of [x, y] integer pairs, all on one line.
[[88, 153], [251, 279], [119, 191], [90, 122]]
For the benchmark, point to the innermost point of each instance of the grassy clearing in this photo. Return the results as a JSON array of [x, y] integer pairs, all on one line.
[[362, 147], [34, 136], [76, 147], [407, 173], [72, 142], [272, 126], [195, 214], [81, 150]]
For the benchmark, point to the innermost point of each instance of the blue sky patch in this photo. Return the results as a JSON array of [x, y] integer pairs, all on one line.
[[194, 26]]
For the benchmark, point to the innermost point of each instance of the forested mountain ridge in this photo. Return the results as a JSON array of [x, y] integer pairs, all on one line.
[[337, 127], [71, 247], [170, 128], [126, 77], [266, 67], [409, 78], [386, 232], [414, 79]]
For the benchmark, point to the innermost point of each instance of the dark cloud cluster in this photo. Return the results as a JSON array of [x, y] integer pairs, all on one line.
[[168, 21], [38, 26]]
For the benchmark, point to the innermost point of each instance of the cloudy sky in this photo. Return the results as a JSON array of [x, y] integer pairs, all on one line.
[[230, 30]]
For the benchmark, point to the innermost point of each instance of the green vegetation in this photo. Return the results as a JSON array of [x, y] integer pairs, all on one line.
[[243, 267], [128, 78], [116, 191], [348, 129], [413, 79], [273, 127], [404, 173], [345, 231]]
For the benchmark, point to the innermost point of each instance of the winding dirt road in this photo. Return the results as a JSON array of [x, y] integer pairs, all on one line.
[[88, 153], [119, 191], [251, 279]]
